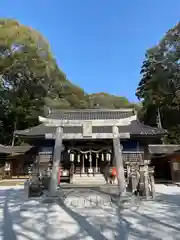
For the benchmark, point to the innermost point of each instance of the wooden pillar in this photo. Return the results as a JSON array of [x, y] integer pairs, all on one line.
[[119, 161], [56, 162], [96, 163], [83, 163], [146, 153]]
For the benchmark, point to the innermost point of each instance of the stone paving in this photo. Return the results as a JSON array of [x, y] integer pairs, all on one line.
[[88, 214]]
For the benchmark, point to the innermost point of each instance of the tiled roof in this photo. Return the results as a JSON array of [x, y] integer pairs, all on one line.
[[41, 130], [21, 149], [15, 149], [4, 149], [91, 114], [163, 149], [135, 128], [138, 128]]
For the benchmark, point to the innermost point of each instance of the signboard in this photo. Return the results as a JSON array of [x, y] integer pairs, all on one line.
[[87, 129]]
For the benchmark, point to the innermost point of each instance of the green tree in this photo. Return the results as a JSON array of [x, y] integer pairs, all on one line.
[[30, 81], [105, 100], [159, 88], [28, 72]]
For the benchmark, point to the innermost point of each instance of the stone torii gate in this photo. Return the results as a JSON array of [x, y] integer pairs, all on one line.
[[87, 132]]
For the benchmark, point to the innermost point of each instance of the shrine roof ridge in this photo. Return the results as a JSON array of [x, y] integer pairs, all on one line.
[[94, 110], [91, 114]]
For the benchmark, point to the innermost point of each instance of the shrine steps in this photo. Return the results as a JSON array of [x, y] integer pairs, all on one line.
[[83, 179]]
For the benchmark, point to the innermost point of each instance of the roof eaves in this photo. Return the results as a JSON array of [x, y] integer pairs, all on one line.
[[5, 149], [21, 149], [163, 149], [15, 149], [154, 130]]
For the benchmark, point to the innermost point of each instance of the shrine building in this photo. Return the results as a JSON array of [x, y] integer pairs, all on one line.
[[87, 138]]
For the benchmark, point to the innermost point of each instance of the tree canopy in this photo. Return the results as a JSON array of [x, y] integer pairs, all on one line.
[[28, 74], [30, 80], [159, 87], [105, 100]]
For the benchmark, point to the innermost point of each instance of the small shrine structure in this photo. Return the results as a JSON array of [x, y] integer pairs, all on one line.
[[166, 161]]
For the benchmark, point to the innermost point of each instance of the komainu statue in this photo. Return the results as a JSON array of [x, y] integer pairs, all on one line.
[[140, 180]]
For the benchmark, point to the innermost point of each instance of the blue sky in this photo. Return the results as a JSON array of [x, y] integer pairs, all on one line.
[[99, 44]]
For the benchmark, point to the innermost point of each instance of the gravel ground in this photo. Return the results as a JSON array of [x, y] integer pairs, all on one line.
[[88, 214]]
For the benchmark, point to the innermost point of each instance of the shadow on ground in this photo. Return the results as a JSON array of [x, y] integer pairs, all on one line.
[[32, 219], [159, 219]]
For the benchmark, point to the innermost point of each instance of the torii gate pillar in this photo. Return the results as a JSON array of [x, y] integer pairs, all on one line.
[[56, 162], [119, 161]]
